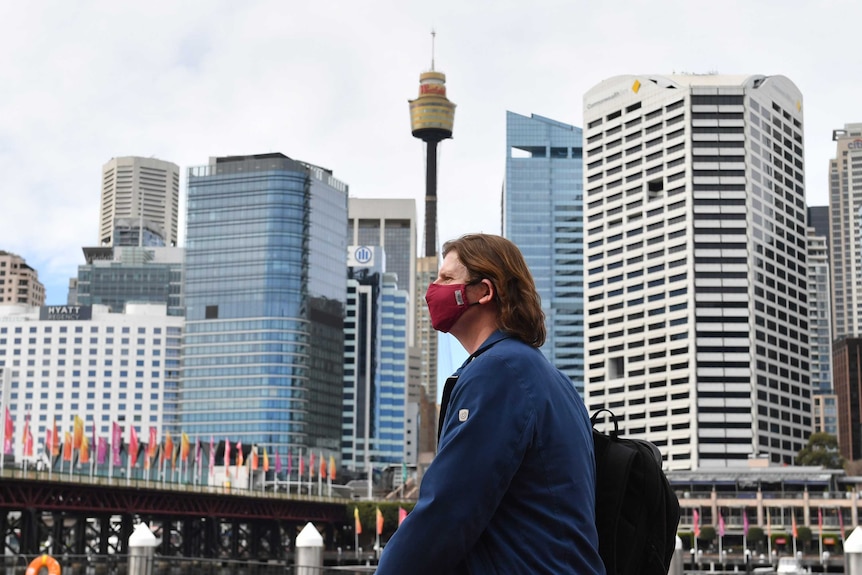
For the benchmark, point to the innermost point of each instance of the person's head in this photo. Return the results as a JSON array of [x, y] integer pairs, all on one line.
[[498, 263]]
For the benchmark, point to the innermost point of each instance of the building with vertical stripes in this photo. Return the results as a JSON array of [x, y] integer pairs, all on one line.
[[696, 265]]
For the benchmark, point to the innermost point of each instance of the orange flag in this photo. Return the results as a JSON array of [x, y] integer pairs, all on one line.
[[78, 432], [55, 440], [84, 457], [379, 522], [168, 451], [357, 521], [254, 462], [793, 524], [184, 447], [322, 467], [265, 460], [332, 468], [67, 447]]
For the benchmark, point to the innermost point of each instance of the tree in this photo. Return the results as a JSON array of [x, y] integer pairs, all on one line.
[[756, 534], [822, 449]]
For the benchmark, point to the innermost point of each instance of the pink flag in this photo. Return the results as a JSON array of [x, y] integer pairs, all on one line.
[[402, 515], [277, 462], [696, 522], [212, 455], [116, 442], [133, 447], [720, 525], [102, 451], [820, 520], [9, 432], [745, 522], [841, 522]]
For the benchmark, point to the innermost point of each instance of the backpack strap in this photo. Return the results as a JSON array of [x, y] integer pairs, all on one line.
[[595, 417]]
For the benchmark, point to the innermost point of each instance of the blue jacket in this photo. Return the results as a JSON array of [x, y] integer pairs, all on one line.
[[512, 488]]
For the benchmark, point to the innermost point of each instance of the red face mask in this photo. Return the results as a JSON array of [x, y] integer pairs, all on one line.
[[446, 304]]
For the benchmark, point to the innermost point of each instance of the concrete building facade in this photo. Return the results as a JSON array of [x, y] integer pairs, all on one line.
[[19, 283], [696, 281]]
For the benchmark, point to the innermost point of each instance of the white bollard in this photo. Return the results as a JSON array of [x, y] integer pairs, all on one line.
[[853, 553], [142, 550], [309, 551], [677, 561]]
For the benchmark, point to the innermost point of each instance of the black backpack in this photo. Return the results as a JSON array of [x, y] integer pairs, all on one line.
[[637, 512]]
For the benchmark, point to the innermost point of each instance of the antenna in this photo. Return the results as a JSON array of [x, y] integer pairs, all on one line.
[[433, 36]]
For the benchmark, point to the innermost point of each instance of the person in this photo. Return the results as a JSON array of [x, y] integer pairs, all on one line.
[[512, 488]]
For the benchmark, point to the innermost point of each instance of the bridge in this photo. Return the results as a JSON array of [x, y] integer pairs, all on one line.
[[78, 515]]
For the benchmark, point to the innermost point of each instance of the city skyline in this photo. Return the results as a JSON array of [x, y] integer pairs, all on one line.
[[89, 89]]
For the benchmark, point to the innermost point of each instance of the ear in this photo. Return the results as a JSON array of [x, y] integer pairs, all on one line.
[[490, 292]]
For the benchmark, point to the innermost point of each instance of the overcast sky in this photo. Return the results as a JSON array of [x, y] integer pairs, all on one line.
[[328, 83]]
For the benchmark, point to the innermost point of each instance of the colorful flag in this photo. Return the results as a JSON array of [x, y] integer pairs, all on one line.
[[55, 441], [227, 458], [332, 468], [379, 522], [133, 446], [253, 454], [278, 462], [26, 431], [77, 432], [745, 522], [185, 447], [49, 441], [696, 522], [301, 467], [311, 465], [84, 456], [820, 520], [265, 460], [239, 459], [28, 439], [402, 515], [168, 451], [67, 447], [198, 448], [793, 527], [356, 519], [101, 450], [9, 433], [720, 525], [153, 445], [212, 455], [322, 473], [116, 442]]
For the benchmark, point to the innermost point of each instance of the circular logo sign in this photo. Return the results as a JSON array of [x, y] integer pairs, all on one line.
[[363, 255]]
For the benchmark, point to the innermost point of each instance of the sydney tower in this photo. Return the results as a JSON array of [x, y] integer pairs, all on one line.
[[432, 116]]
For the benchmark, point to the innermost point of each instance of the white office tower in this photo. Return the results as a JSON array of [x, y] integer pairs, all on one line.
[[696, 293], [845, 207]]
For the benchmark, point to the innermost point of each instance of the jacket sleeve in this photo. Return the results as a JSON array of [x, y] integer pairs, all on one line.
[[489, 425]]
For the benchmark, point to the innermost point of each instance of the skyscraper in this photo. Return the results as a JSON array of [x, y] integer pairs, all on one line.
[[543, 214], [845, 237], [819, 322], [139, 195], [265, 288], [697, 314]]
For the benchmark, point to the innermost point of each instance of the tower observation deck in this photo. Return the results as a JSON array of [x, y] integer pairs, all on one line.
[[432, 117]]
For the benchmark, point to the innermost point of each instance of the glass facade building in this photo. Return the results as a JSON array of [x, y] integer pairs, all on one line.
[[120, 275], [255, 255], [543, 216]]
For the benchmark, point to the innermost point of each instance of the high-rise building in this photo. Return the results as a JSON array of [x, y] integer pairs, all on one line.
[[819, 322], [697, 315], [390, 224], [265, 289], [115, 276], [19, 283], [140, 202], [845, 231], [374, 425], [104, 367], [847, 369], [543, 215]]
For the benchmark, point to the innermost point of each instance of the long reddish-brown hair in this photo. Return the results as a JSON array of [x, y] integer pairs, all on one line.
[[497, 259]]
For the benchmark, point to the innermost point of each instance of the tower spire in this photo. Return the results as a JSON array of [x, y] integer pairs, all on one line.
[[433, 37]]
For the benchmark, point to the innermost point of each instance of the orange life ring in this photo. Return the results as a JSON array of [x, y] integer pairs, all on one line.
[[45, 561]]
